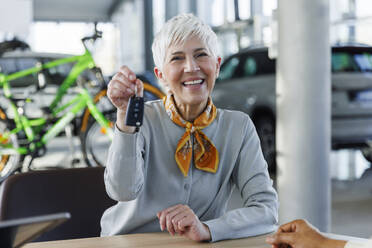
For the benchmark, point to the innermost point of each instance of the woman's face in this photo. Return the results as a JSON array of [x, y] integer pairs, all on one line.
[[189, 71]]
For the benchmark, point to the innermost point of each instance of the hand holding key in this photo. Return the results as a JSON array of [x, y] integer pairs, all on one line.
[[121, 88]]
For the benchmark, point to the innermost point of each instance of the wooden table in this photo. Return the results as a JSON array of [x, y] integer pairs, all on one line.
[[163, 240], [160, 240]]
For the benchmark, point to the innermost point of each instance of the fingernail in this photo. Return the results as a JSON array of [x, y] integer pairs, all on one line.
[[131, 77]]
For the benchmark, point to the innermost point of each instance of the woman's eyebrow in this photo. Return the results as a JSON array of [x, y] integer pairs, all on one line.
[[177, 53], [195, 50], [199, 49]]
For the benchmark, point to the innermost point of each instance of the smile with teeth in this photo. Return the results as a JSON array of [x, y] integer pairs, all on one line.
[[193, 82]]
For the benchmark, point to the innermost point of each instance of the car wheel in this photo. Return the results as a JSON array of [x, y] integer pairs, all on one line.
[[265, 126]]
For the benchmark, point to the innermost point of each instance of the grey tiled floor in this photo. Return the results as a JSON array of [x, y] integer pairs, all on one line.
[[352, 206]]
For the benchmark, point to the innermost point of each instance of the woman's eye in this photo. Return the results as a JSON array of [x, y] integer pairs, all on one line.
[[201, 55], [176, 58]]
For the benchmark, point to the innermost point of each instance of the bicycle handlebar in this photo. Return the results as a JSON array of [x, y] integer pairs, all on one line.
[[94, 37]]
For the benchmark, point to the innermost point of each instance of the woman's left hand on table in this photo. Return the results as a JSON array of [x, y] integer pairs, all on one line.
[[182, 220]]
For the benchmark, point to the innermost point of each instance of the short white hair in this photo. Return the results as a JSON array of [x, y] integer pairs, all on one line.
[[177, 31]]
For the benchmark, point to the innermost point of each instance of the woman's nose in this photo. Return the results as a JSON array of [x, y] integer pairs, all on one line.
[[191, 65]]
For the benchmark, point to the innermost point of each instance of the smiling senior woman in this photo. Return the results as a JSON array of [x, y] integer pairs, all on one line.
[[178, 171]]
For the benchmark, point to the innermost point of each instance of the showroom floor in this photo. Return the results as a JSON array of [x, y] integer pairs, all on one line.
[[352, 206], [351, 188]]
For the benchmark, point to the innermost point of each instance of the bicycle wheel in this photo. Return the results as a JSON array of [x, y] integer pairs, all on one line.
[[104, 104], [9, 163], [95, 142]]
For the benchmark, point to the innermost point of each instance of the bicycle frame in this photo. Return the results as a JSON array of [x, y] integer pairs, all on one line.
[[79, 102]]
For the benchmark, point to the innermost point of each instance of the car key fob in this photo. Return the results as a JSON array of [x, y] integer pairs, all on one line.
[[134, 115]]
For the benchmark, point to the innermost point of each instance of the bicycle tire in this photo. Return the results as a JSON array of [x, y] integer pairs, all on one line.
[[8, 163], [93, 140]]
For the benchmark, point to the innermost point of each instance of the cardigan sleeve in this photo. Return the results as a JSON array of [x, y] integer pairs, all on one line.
[[124, 173], [259, 214], [351, 244]]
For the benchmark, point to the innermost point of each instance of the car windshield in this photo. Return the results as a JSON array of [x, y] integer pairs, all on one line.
[[354, 59], [227, 69], [351, 62]]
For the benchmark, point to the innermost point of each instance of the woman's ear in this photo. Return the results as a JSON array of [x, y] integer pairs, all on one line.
[[158, 73], [160, 76], [218, 66]]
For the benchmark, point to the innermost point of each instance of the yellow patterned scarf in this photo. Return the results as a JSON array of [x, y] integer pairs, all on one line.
[[205, 153]]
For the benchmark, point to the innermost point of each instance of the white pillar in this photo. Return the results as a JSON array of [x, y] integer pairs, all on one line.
[[135, 34], [303, 111], [352, 15], [256, 14], [171, 9], [204, 10]]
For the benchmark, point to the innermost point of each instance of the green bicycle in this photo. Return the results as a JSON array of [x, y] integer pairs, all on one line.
[[21, 136]]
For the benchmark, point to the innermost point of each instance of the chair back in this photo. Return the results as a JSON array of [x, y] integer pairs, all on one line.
[[79, 191]]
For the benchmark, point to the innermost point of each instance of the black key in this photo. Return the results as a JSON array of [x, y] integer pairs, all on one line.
[[134, 115]]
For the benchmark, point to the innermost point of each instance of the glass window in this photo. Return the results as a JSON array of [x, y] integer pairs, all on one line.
[[57, 74], [23, 64], [13, 65], [228, 68], [363, 61], [64, 69], [244, 9], [342, 62], [351, 62], [26, 63], [61, 70], [250, 67], [8, 65]]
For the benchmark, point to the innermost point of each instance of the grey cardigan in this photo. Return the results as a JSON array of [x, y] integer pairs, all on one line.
[[143, 176]]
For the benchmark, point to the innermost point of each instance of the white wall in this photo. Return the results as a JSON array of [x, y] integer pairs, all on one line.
[[16, 17]]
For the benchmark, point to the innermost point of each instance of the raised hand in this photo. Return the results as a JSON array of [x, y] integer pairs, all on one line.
[[182, 220], [122, 86]]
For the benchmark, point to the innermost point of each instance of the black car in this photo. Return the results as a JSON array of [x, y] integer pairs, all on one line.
[[247, 83]]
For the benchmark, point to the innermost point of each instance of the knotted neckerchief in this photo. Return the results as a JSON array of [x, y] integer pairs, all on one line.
[[205, 153]]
